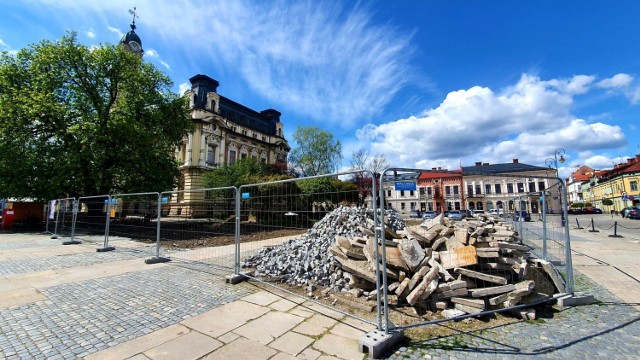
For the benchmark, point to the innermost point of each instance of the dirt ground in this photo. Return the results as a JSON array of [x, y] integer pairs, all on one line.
[[221, 240]]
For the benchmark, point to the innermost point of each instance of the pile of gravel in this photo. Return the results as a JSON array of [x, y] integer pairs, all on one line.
[[306, 261]]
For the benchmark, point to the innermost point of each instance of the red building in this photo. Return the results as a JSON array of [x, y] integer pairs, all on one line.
[[440, 190]]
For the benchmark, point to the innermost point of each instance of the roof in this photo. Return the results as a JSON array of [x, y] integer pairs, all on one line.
[[439, 174], [491, 169]]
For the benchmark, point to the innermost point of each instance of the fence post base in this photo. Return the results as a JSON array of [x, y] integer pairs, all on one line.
[[235, 278], [71, 242], [105, 249], [156, 260], [376, 342], [576, 299]]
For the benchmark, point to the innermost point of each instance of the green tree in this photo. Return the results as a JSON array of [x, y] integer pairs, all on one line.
[[317, 152], [242, 172], [76, 120]]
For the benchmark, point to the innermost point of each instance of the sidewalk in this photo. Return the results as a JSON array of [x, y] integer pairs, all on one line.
[[116, 307]]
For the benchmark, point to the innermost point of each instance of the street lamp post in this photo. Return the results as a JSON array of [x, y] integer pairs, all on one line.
[[558, 156]]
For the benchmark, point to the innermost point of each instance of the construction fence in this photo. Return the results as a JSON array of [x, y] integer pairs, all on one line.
[[347, 244]]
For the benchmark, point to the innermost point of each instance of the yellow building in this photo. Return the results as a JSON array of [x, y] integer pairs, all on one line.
[[620, 185], [224, 132]]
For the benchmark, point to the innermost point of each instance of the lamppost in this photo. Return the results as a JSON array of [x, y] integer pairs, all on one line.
[[554, 161]]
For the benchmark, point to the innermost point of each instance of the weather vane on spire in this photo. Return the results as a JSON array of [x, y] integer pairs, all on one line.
[[133, 13]]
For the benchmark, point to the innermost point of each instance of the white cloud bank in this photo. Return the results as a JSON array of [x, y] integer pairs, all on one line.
[[528, 121]]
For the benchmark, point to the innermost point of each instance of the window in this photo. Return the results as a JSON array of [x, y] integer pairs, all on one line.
[[401, 206], [541, 186], [520, 187], [456, 205], [447, 190], [423, 206], [455, 190], [429, 191], [213, 106], [479, 205], [388, 193], [413, 206], [478, 190], [510, 188], [211, 154], [532, 186], [498, 189], [232, 156], [634, 185], [411, 193], [401, 193], [469, 189], [487, 188]]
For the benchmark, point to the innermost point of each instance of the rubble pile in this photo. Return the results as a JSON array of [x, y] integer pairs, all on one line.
[[462, 267], [306, 262]]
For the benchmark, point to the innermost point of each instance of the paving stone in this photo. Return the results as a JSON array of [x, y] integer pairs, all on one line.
[[193, 345], [242, 349], [291, 343], [269, 326]]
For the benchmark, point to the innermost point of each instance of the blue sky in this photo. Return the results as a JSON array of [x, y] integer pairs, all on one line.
[[426, 83]]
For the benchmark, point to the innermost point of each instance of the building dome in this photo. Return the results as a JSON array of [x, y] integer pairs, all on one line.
[[131, 41], [131, 36]]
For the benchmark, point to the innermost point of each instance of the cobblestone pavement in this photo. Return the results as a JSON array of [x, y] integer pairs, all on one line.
[[60, 262], [608, 329], [81, 318]]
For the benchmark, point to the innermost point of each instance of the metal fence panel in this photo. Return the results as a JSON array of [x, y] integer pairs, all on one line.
[[480, 262], [132, 217], [198, 226], [60, 217], [91, 220], [288, 234]]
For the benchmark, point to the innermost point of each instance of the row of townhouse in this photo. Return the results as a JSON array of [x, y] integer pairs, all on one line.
[[620, 185], [507, 186]]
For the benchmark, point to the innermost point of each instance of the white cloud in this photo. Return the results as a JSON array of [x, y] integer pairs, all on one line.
[[116, 31], [329, 61], [150, 53], [3, 44], [183, 87], [616, 81], [90, 34], [165, 64], [526, 121]]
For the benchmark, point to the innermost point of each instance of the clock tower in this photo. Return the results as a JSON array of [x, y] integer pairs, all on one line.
[[131, 41]]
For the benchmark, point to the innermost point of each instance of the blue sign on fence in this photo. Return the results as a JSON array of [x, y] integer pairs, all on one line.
[[246, 195], [405, 185]]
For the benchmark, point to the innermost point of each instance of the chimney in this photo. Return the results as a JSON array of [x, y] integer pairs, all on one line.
[[515, 161], [478, 163], [630, 161], [434, 169], [485, 164]]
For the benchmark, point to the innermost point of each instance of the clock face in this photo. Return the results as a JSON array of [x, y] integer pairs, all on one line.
[[134, 46]]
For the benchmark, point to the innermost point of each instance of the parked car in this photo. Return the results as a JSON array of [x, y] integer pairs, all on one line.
[[466, 213], [575, 211], [477, 213], [624, 212], [414, 214], [499, 212], [634, 213], [445, 213], [596, 211], [429, 214], [455, 215], [520, 215]]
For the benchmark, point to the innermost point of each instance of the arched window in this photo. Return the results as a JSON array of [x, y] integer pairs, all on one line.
[[489, 205], [479, 205]]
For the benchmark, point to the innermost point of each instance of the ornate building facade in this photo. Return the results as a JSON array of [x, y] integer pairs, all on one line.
[[224, 132], [511, 186]]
